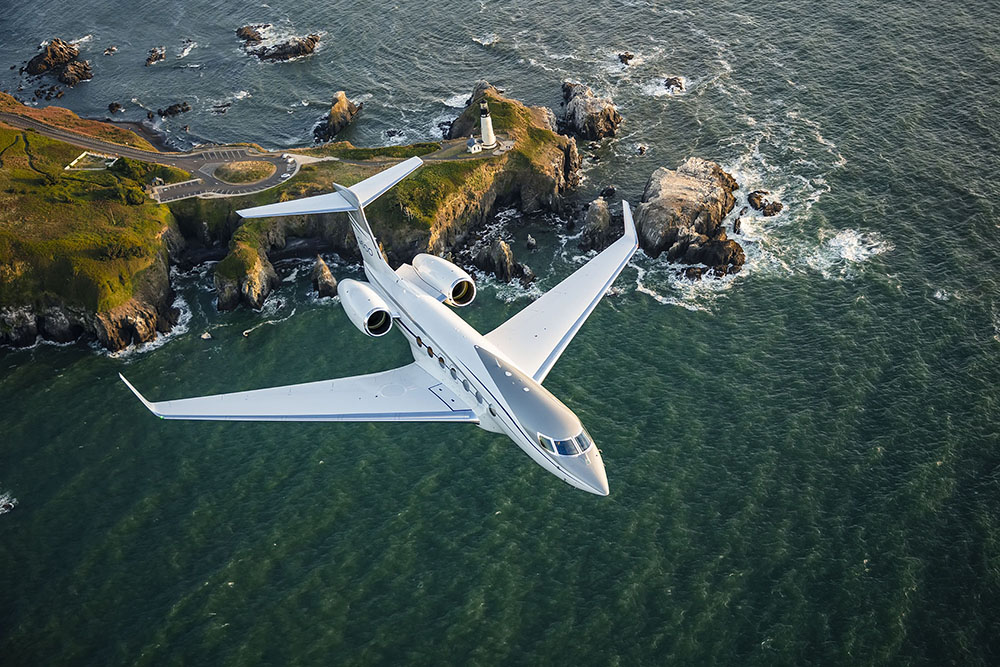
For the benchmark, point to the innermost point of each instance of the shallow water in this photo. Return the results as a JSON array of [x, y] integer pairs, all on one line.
[[803, 458]]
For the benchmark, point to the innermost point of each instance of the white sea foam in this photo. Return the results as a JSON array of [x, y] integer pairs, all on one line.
[[81, 40], [658, 87], [487, 39], [457, 101], [186, 47], [7, 502]]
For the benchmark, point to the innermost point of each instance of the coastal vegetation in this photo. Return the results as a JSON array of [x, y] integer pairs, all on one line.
[[67, 120], [246, 171], [345, 150]]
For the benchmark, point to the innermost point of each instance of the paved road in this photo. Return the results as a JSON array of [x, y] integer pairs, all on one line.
[[200, 163]]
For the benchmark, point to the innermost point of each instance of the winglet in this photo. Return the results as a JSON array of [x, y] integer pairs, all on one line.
[[630, 230], [149, 406]]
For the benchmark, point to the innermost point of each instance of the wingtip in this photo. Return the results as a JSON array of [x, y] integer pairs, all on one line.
[[630, 230], [149, 406]]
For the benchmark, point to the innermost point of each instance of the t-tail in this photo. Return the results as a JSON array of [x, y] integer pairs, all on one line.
[[351, 200]]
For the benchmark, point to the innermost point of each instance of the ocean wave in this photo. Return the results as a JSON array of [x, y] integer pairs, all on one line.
[[7, 502], [658, 87], [457, 101], [81, 40]]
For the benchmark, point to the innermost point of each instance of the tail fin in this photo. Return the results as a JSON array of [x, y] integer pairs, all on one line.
[[351, 199]]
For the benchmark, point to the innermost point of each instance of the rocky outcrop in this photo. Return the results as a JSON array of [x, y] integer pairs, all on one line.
[[674, 84], [75, 72], [174, 109], [681, 214], [55, 56], [587, 115], [498, 259], [759, 202], [252, 34], [626, 57], [322, 279], [156, 54], [139, 320], [596, 226], [340, 116], [250, 289], [293, 47], [59, 58]]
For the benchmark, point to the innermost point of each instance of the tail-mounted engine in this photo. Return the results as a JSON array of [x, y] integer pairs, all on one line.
[[454, 284], [364, 307]]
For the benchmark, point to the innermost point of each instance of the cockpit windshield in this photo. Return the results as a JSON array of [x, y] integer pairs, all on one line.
[[571, 447]]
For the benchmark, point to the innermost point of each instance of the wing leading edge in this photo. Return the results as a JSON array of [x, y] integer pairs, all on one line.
[[404, 394], [535, 338]]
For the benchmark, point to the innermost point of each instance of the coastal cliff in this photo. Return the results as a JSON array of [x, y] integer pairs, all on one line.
[[434, 210]]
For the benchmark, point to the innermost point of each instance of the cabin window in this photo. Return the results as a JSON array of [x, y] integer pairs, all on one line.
[[492, 411], [420, 343], [454, 374], [441, 361], [479, 397], [430, 351], [465, 383]]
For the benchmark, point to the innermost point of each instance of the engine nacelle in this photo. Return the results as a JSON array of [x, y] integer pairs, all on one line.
[[453, 283], [364, 307]]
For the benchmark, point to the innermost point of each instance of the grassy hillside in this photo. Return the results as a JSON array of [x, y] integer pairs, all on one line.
[[74, 237], [68, 120]]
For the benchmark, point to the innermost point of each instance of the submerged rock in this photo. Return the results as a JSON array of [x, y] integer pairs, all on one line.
[[587, 115], [323, 280], [625, 57], [681, 214], [498, 259], [531, 243], [340, 116], [674, 84], [114, 107]]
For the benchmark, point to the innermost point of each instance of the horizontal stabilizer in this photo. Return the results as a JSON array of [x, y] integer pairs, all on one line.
[[366, 191]]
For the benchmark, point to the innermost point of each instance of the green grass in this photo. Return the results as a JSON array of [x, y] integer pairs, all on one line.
[[246, 171], [81, 238], [344, 149]]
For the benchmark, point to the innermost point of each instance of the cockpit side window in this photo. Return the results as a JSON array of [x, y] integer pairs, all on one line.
[[584, 441], [547, 443]]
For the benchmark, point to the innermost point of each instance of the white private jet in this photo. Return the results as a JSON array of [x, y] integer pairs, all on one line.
[[458, 374]]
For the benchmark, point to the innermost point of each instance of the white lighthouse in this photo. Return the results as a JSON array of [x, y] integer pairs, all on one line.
[[486, 126]]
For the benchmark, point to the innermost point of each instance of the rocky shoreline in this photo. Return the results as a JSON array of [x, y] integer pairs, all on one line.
[[680, 215]]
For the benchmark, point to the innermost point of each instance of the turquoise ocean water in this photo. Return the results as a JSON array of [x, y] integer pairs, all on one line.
[[803, 458]]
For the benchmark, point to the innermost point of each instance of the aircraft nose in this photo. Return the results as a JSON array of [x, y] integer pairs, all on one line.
[[589, 469]]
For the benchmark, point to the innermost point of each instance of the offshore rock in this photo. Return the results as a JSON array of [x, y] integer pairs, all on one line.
[[498, 259], [56, 55], [625, 57], [59, 58], [681, 214], [340, 116], [156, 54], [758, 201], [323, 280], [174, 109], [674, 84], [587, 115], [114, 107], [596, 226], [75, 72], [293, 47], [252, 34]]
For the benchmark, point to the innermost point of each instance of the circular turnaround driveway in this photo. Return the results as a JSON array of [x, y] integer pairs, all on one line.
[[200, 163]]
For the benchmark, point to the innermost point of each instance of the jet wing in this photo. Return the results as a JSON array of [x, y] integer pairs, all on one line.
[[536, 337], [366, 191], [407, 393]]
